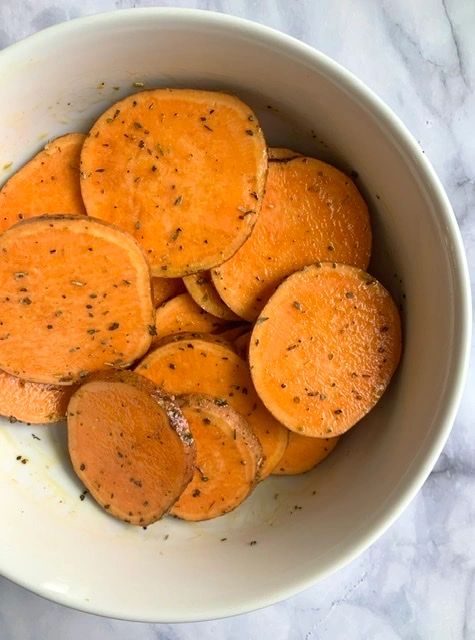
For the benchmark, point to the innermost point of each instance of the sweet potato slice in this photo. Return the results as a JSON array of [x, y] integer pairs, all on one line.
[[201, 288], [130, 445], [303, 453], [207, 365], [165, 288], [324, 349], [75, 297], [281, 154], [241, 345], [181, 315], [228, 457], [182, 170], [310, 212], [32, 401], [49, 183], [232, 333]]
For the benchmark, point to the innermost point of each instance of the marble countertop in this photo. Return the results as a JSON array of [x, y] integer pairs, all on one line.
[[418, 580]]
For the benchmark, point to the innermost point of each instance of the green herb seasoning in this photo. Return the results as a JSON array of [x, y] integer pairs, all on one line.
[[176, 233]]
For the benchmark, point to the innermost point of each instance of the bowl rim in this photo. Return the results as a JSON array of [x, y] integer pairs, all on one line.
[[410, 149]]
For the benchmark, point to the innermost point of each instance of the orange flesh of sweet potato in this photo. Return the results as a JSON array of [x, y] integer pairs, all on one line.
[[241, 345], [165, 288], [324, 349], [181, 315], [282, 154], [49, 183], [31, 401], [228, 457], [182, 170], [75, 297], [201, 288], [196, 364], [130, 445], [183, 176], [303, 453], [310, 212], [231, 334]]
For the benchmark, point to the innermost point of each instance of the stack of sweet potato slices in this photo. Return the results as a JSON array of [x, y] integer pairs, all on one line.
[[194, 302]]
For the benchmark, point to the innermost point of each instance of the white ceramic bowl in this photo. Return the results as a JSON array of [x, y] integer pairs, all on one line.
[[70, 551]]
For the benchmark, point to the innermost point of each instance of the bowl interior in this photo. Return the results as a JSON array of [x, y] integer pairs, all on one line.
[[304, 527]]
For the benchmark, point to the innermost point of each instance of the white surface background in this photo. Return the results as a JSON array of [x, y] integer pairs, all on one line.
[[418, 580]]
